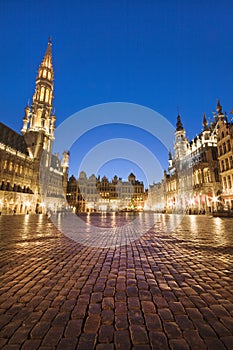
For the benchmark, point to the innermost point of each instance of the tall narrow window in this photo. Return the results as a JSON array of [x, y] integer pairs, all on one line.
[[42, 93], [47, 95]]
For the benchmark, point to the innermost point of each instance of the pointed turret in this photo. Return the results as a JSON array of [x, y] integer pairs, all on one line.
[[205, 123], [179, 125], [47, 60], [181, 143], [170, 158], [219, 108]]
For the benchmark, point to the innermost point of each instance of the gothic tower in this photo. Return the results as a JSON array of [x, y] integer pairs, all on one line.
[[181, 143], [38, 123]]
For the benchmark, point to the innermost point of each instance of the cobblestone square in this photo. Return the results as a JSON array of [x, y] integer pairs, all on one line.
[[162, 291]]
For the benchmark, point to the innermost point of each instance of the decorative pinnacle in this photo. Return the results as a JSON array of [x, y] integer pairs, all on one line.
[[219, 107], [205, 122], [179, 125]]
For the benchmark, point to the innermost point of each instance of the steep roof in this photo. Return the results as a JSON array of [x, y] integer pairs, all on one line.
[[12, 139]]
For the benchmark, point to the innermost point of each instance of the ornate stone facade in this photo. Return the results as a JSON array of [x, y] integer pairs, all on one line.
[[32, 178], [193, 183], [95, 194], [225, 156]]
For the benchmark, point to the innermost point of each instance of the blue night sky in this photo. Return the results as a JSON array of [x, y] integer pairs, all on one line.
[[159, 54]]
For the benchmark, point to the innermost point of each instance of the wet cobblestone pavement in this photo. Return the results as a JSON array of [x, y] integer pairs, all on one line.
[[162, 291]]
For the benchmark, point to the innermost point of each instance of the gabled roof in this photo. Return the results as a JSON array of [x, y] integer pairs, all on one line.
[[12, 139]]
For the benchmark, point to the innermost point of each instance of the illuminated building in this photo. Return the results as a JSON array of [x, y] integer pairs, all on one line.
[[192, 183], [95, 194], [225, 156], [32, 178]]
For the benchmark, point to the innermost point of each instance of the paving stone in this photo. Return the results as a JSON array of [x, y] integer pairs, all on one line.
[[228, 323], [193, 338], [67, 344], [40, 329], [166, 314], [107, 317], [94, 309], [53, 336], [20, 335], [176, 308], [132, 291], [148, 307], [214, 344], [219, 311], [122, 340], [204, 329], [120, 296], [105, 347], [228, 341], [121, 322], [153, 322], [135, 317], [158, 340], [184, 322], [73, 328], [178, 344], [108, 303], [10, 329], [138, 334], [120, 308], [31, 344], [133, 303], [106, 334], [92, 324], [194, 313], [10, 347], [172, 329], [87, 341]]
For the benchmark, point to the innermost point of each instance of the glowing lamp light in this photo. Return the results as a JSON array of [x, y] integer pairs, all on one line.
[[214, 199]]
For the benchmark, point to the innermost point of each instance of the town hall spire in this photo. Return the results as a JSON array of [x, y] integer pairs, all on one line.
[[38, 118]]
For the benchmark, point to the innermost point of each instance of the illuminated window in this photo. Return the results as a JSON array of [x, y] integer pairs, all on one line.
[[49, 75], [44, 73], [47, 95], [42, 93]]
